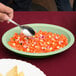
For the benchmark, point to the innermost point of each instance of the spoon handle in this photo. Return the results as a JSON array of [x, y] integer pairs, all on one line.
[[13, 22]]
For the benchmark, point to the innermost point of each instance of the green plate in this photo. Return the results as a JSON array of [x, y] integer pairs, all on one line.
[[37, 27]]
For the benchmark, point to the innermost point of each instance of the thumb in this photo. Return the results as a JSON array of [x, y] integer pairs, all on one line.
[[3, 17]]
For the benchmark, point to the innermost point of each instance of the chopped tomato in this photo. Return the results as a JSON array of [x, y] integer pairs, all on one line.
[[42, 42]]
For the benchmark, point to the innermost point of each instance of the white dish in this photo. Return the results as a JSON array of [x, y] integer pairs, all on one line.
[[27, 68]]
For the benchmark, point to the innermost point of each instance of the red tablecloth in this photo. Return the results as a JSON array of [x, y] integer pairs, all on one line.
[[63, 64]]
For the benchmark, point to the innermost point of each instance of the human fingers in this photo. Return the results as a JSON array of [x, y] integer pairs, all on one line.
[[3, 17], [7, 10]]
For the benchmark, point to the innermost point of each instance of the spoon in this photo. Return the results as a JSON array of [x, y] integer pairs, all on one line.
[[28, 31]]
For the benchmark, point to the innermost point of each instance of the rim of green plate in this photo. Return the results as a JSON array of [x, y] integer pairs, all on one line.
[[72, 39]]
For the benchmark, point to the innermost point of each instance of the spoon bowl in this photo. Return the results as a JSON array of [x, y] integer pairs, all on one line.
[[28, 31]]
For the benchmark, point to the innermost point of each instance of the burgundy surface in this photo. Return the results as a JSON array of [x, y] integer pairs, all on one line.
[[63, 64]]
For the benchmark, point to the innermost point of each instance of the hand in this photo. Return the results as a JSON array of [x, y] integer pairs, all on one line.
[[5, 13]]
